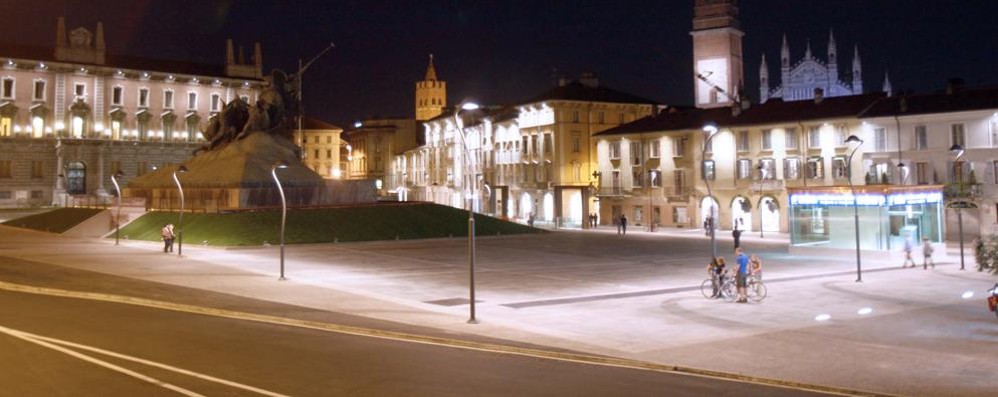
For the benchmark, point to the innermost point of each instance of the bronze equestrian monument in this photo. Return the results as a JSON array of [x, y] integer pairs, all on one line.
[[233, 169]]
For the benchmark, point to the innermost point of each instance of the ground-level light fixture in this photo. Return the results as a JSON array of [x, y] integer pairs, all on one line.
[[284, 207]]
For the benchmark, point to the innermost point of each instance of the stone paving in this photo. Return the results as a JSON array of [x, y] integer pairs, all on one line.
[[634, 296]]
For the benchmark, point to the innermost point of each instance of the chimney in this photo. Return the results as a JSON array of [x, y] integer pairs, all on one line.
[[819, 95], [242, 58], [229, 53], [953, 85], [589, 79], [258, 59], [60, 32]]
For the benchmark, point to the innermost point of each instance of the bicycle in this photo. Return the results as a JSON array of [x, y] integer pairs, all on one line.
[[711, 285], [756, 289]]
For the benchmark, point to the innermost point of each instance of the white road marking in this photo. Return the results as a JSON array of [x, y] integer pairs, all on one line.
[[53, 343]]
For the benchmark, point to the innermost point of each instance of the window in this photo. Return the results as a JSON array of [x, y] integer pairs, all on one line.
[[678, 147], [7, 88], [743, 142], [921, 138], [655, 178], [168, 99], [575, 116], [192, 101], [37, 169], [791, 138], [39, 94], [959, 171], [576, 143], [143, 97], [841, 134], [329, 139], [636, 177], [602, 117], [80, 90], [37, 194], [880, 139], [707, 171], [5, 168], [814, 137], [216, 102], [548, 143], [840, 169], [655, 149], [5, 195], [957, 136], [329, 153], [768, 168], [117, 94], [314, 139], [791, 168], [815, 168], [922, 173], [635, 153], [615, 151], [767, 139], [316, 153], [744, 169]]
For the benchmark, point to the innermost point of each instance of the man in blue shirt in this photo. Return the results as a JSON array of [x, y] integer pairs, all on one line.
[[742, 277]]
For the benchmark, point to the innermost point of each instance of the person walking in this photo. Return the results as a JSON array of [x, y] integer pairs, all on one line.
[[623, 224], [167, 234], [908, 247], [927, 254], [741, 278], [736, 234]]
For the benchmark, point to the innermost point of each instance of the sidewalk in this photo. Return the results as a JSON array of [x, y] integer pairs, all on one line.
[[634, 296]]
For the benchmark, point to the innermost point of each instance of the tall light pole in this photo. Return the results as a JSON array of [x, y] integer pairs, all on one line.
[[471, 209], [855, 203], [958, 151], [180, 224], [762, 179], [301, 105], [284, 208], [711, 130], [117, 217]]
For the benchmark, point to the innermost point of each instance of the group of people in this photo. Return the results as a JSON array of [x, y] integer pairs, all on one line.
[[168, 236], [747, 266], [927, 250], [621, 224], [593, 220]]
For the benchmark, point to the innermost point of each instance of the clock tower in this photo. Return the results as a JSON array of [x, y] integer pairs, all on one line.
[[717, 53]]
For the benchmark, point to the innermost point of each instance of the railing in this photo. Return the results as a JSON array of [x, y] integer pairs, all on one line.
[[962, 190]]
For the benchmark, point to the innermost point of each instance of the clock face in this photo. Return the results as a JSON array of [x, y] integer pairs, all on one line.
[[716, 72]]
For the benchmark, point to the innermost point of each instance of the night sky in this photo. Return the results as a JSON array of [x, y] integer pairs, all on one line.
[[503, 52]]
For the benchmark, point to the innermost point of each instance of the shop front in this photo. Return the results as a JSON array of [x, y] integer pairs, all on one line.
[[824, 217]]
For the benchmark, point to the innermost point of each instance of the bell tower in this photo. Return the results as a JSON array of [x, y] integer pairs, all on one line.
[[431, 95], [717, 52]]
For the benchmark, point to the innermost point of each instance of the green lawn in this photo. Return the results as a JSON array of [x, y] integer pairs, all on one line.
[[322, 225], [55, 221]]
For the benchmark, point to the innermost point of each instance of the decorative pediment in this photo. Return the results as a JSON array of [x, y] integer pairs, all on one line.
[[8, 109]]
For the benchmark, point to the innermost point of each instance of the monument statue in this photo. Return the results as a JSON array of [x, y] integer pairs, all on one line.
[[272, 114]]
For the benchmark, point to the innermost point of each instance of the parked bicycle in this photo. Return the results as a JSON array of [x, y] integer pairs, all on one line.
[[755, 290]]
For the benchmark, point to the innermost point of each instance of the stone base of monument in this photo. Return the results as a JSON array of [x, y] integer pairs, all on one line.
[[236, 176]]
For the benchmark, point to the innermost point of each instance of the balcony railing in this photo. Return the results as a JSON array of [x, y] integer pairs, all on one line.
[[962, 190]]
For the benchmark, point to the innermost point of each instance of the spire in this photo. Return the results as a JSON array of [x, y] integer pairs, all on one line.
[[785, 50], [100, 37], [60, 32], [807, 51], [833, 62], [887, 83], [857, 72], [763, 69], [431, 73]]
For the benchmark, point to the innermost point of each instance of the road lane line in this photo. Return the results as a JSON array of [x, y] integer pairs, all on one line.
[[30, 338], [156, 364], [438, 341]]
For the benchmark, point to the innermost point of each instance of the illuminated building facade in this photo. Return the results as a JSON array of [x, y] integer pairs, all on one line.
[[321, 146], [71, 116]]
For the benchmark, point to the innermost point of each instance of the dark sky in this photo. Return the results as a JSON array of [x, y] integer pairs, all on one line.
[[502, 52]]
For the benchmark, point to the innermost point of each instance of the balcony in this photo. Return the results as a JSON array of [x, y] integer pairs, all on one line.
[[962, 190]]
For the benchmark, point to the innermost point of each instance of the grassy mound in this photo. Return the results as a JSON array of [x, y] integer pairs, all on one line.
[[323, 225], [55, 221]]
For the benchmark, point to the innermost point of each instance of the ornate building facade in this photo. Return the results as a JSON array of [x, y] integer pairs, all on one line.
[[73, 115]]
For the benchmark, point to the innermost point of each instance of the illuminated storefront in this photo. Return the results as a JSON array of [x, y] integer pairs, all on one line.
[[823, 216]]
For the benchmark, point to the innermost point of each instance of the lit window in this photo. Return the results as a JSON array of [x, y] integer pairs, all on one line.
[[767, 139], [192, 101], [815, 168], [168, 99], [791, 138], [957, 136], [744, 169], [743, 141], [143, 97], [707, 171], [880, 139], [921, 138]]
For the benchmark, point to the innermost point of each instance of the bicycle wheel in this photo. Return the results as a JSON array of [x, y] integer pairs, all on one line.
[[757, 291], [728, 291], [707, 288]]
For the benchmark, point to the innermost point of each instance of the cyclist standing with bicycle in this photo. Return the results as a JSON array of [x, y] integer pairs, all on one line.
[[716, 270], [741, 278]]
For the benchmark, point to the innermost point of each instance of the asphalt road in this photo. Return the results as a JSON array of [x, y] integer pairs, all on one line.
[[47, 348]]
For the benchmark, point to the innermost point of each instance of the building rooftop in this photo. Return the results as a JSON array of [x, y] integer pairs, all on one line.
[[955, 99]]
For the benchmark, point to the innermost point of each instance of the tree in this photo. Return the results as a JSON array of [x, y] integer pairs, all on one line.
[[986, 254]]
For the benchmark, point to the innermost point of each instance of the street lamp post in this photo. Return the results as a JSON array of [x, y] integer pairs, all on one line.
[[180, 223], [762, 179], [284, 208], [301, 106], [958, 151], [855, 203], [711, 130], [117, 217], [471, 208]]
